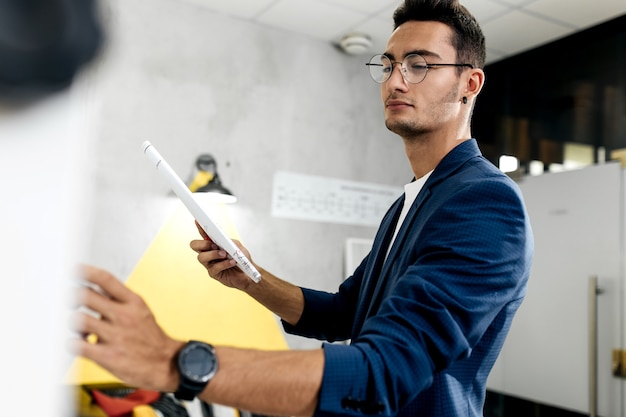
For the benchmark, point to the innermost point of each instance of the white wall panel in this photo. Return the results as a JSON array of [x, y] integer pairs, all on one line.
[[577, 219]]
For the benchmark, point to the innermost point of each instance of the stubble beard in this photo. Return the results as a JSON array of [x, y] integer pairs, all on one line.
[[406, 128], [427, 121]]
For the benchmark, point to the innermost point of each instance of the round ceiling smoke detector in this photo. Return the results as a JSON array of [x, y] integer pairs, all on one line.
[[355, 43]]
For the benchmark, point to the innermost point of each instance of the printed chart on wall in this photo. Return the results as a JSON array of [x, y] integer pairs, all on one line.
[[316, 198]]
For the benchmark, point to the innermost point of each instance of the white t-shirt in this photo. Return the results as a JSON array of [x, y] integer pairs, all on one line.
[[411, 190]]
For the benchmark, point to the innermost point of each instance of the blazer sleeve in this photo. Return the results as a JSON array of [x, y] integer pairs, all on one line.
[[329, 316]]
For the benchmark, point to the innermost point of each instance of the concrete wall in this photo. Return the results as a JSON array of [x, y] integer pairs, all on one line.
[[259, 100]]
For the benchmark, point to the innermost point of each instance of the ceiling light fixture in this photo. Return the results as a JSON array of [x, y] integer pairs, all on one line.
[[355, 43]]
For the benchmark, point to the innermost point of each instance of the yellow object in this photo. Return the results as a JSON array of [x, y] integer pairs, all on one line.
[[186, 302], [202, 178], [144, 411], [86, 406]]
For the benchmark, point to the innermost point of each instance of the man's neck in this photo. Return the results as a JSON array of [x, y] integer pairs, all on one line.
[[425, 152]]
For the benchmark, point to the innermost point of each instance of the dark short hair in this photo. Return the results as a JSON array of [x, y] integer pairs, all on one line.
[[468, 38]]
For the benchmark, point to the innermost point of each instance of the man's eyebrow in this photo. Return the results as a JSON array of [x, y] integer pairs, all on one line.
[[423, 52]]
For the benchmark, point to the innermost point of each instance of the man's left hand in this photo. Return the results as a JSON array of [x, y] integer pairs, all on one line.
[[126, 339]]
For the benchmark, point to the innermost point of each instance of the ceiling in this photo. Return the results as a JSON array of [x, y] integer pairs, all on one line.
[[510, 26]]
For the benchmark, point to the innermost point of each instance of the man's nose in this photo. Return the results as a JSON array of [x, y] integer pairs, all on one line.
[[396, 80]]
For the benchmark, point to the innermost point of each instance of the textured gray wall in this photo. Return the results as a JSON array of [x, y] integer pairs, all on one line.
[[258, 99]]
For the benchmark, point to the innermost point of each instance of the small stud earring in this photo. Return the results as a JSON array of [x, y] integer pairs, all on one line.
[[464, 100]]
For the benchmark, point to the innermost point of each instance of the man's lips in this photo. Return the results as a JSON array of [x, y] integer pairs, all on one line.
[[394, 104]]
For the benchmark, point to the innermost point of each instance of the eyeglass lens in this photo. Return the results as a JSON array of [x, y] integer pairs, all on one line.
[[413, 67]]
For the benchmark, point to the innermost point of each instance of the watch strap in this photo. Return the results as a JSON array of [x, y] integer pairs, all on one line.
[[187, 390]]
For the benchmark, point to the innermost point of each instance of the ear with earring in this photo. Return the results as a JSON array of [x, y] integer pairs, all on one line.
[[464, 100]]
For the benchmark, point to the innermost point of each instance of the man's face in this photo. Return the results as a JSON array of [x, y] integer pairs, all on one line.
[[433, 104]]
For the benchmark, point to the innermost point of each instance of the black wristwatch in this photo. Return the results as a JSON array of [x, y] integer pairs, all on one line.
[[197, 365]]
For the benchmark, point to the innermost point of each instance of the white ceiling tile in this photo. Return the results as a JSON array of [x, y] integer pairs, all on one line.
[[310, 17], [493, 55], [517, 31], [246, 9], [387, 12], [484, 10], [510, 26], [520, 2], [365, 6], [584, 14]]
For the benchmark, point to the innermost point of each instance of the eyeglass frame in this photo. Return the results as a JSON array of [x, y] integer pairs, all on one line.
[[403, 69]]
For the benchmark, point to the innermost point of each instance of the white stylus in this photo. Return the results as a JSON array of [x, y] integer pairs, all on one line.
[[208, 225]]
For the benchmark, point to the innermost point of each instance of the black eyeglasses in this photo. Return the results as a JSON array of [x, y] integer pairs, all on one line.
[[413, 68]]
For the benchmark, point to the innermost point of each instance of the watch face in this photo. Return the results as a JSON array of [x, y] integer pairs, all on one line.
[[198, 362]]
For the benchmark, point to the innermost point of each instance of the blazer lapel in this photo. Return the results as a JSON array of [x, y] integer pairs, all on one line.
[[383, 277], [375, 264], [406, 226]]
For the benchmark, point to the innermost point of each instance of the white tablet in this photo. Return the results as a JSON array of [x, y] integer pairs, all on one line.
[[208, 225]]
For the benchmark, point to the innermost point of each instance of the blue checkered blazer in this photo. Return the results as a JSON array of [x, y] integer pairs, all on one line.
[[427, 324]]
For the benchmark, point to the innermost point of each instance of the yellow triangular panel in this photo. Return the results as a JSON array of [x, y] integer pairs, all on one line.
[[186, 302]]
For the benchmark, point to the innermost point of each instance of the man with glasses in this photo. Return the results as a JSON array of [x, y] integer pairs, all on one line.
[[428, 309]]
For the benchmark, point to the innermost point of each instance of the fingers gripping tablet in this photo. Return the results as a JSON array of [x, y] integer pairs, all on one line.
[[208, 225]]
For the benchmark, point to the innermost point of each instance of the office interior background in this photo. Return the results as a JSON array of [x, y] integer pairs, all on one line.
[[264, 88]]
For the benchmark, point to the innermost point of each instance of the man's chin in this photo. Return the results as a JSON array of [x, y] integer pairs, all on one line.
[[403, 129]]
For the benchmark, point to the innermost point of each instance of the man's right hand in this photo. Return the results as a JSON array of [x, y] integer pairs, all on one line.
[[219, 265]]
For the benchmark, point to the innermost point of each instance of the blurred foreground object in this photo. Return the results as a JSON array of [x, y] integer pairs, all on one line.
[[44, 44], [45, 143]]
